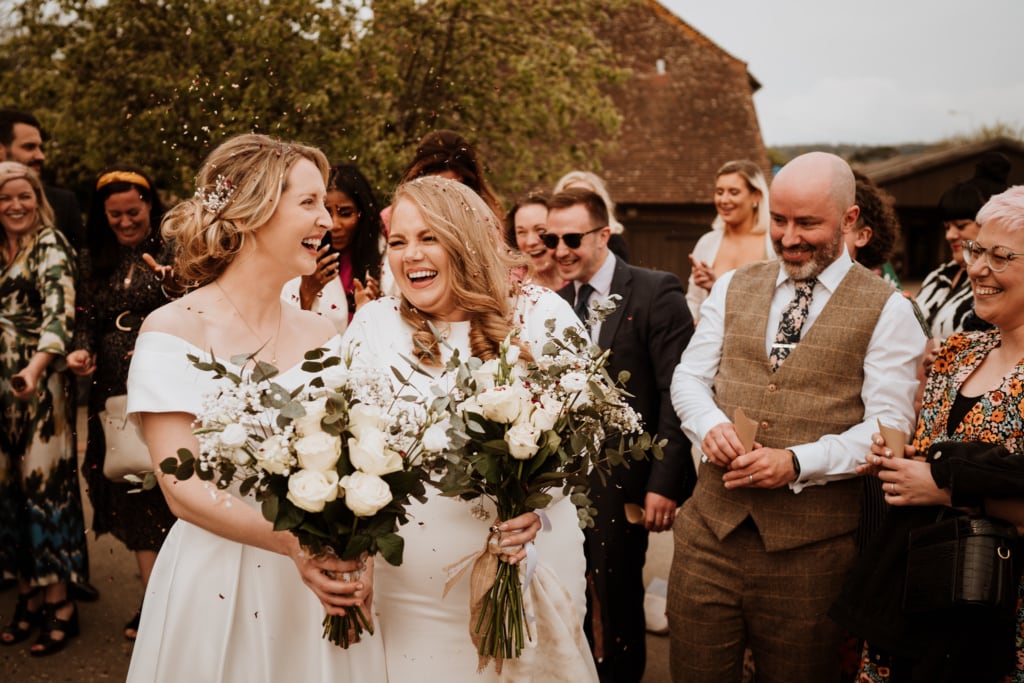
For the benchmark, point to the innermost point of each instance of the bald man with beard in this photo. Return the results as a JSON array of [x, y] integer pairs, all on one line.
[[815, 349]]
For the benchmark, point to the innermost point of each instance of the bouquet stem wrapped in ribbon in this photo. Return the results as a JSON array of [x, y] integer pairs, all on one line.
[[522, 427]]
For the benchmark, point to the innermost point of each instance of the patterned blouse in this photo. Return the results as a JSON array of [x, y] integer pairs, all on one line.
[[995, 418], [944, 306]]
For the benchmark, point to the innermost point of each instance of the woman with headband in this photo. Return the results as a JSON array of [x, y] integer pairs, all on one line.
[[117, 290]]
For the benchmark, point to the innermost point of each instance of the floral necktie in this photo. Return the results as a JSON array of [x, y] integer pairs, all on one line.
[[793, 318]]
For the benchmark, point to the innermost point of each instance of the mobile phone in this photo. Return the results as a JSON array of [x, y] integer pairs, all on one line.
[[327, 242]]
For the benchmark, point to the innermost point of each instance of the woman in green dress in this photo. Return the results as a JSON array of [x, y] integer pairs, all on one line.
[[42, 534]]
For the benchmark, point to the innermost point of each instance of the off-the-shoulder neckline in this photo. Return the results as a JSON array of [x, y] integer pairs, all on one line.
[[207, 354]]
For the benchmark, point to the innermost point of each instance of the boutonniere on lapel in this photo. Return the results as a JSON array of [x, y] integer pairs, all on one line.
[[601, 308]]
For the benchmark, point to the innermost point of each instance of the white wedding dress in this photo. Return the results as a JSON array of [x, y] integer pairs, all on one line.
[[216, 610], [427, 637]]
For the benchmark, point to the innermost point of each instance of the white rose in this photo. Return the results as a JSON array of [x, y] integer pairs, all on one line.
[[335, 376], [435, 438], [311, 489], [545, 414], [234, 436], [370, 453], [365, 494], [502, 404], [240, 456], [522, 441], [273, 455], [484, 375], [310, 422], [318, 451], [574, 382], [365, 418]]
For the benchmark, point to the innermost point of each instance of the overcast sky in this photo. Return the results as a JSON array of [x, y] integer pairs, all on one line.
[[872, 71]]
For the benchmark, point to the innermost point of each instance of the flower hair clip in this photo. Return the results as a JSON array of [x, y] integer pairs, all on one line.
[[215, 200]]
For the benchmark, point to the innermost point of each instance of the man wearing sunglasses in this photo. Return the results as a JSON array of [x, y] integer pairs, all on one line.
[[646, 334], [810, 352]]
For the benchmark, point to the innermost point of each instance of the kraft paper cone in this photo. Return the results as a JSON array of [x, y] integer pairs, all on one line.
[[746, 429], [895, 440]]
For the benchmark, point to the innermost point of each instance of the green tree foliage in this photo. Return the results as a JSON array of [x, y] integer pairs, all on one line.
[[159, 82]]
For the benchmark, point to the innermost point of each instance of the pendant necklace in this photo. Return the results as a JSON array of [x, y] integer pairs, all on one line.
[[280, 314]]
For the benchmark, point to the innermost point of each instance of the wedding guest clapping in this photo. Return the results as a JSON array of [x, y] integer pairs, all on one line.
[[739, 234], [230, 598]]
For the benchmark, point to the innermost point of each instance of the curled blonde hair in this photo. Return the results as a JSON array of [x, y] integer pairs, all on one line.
[[480, 265], [238, 188], [13, 170]]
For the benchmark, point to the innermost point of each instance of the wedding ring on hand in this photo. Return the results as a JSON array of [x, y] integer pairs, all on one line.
[[892, 488], [751, 478]]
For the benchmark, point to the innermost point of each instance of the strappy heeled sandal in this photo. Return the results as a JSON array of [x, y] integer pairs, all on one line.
[[67, 628], [131, 629], [25, 620]]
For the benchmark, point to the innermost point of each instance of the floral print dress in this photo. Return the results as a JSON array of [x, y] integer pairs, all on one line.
[[997, 417], [42, 534]]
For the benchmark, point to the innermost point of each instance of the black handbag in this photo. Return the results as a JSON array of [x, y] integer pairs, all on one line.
[[960, 561]]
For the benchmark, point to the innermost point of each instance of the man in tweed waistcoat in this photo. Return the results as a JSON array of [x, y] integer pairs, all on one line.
[[815, 349]]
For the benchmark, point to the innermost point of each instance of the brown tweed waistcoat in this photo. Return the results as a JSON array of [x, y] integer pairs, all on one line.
[[815, 392]]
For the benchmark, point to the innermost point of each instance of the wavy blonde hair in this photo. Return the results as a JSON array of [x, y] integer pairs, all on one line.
[[13, 170], [480, 266], [209, 228]]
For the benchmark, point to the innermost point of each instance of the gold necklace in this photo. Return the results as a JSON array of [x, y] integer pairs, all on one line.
[[255, 334]]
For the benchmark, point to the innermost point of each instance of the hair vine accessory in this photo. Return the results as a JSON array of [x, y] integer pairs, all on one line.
[[122, 177], [215, 200]]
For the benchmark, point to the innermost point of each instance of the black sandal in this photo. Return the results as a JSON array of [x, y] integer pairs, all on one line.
[[24, 621], [68, 628], [131, 629]]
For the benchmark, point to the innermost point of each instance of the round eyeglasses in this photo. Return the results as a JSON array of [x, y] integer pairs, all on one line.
[[997, 258]]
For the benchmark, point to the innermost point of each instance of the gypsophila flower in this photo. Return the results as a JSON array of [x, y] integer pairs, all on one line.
[[335, 461], [520, 429]]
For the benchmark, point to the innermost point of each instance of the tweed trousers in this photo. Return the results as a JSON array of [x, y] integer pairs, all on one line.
[[731, 594]]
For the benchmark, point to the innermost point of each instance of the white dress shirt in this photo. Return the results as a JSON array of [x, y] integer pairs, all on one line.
[[602, 284], [890, 374]]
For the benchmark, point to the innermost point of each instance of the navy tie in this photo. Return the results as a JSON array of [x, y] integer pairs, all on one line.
[[793, 318], [582, 305]]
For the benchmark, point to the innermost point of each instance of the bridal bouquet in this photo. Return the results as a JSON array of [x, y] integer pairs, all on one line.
[[520, 429], [334, 461]]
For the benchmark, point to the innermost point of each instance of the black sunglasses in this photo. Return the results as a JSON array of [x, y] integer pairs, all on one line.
[[571, 239]]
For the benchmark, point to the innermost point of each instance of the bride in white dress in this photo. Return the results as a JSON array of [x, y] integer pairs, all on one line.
[[230, 599], [444, 251]]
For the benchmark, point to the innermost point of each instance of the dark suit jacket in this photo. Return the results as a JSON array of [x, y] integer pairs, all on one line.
[[67, 214], [647, 334]]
